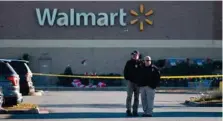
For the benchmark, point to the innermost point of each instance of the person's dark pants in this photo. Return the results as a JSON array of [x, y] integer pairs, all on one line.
[[132, 88]]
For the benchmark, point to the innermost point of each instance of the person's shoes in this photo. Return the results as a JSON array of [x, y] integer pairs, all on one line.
[[135, 114], [147, 115], [128, 113]]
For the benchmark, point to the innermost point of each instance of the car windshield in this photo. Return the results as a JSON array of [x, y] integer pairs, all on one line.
[[6, 69], [20, 67]]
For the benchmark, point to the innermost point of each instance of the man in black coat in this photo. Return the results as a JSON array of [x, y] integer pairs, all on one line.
[[149, 80], [131, 73]]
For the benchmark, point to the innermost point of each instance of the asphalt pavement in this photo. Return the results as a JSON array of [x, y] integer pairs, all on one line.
[[110, 106]]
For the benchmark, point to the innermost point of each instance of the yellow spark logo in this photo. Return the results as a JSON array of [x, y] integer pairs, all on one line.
[[148, 13]]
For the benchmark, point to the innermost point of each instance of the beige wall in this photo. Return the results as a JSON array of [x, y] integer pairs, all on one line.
[[46, 43], [106, 57]]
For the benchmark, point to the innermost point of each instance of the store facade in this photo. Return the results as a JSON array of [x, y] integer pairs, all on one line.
[[57, 34]]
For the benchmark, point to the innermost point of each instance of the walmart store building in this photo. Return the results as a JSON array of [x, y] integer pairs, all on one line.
[[56, 34]]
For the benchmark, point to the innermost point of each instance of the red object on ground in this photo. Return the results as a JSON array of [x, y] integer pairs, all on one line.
[[101, 84]]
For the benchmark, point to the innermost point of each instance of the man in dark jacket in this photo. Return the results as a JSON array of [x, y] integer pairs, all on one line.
[[149, 80], [131, 73]]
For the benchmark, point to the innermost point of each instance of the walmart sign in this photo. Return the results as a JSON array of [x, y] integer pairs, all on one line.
[[55, 17]]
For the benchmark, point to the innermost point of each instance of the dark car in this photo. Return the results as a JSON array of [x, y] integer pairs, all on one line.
[[25, 74], [9, 83]]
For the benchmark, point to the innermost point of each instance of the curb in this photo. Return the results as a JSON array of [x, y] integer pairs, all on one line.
[[23, 108], [31, 111], [202, 104]]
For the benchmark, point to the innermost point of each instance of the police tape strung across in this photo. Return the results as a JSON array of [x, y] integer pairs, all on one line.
[[121, 77]]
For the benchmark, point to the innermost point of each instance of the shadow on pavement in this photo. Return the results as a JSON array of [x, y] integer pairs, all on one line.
[[111, 115], [101, 106]]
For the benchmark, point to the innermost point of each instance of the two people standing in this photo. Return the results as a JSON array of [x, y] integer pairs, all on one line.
[[143, 77]]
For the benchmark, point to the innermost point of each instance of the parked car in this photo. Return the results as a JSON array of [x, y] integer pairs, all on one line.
[[25, 74], [2, 110], [1, 98], [9, 81]]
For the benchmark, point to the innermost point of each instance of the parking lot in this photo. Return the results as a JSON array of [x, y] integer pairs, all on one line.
[[110, 105]]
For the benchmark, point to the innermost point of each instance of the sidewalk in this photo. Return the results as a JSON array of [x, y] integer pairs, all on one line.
[[158, 90]]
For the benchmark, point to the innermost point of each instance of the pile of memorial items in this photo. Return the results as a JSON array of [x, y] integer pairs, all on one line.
[[77, 83], [168, 67]]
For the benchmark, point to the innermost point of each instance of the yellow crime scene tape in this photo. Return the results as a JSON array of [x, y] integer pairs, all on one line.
[[121, 77]]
